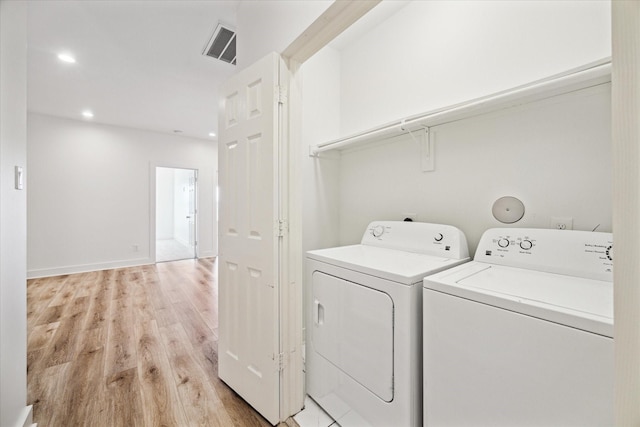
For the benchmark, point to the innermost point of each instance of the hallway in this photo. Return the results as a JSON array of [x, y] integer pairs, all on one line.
[[129, 347]]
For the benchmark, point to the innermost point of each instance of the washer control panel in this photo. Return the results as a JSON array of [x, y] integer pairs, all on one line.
[[571, 252], [418, 237]]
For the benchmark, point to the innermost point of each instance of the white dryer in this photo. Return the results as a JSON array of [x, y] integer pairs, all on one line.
[[523, 334], [363, 357]]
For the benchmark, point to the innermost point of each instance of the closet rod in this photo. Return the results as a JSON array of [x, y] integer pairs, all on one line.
[[583, 78]]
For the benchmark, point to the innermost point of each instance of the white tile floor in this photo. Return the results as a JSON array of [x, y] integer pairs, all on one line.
[[172, 250], [313, 416]]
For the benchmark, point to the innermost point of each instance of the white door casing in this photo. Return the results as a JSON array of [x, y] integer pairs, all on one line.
[[251, 214]]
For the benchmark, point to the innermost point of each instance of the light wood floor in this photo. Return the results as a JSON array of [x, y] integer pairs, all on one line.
[[130, 347]]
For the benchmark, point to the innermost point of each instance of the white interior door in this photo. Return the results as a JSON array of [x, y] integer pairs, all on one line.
[[185, 209], [176, 213], [249, 345], [192, 211]]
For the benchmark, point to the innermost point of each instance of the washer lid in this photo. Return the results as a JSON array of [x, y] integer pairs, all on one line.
[[390, 264], [573, 301]]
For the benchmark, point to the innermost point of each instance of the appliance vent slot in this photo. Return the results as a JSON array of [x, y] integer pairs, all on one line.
[[222, 45]]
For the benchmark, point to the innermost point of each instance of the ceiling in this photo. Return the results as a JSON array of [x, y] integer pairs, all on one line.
[[139, 63]]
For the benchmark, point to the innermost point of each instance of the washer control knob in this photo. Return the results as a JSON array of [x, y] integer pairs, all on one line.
[[526, 245], [503, 243], [377, 231], [438, 237]]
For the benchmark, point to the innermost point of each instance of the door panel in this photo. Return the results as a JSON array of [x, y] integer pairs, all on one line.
[[249, 346], [353, 329]]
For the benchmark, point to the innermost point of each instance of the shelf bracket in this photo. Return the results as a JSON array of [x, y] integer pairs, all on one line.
[[427, 151]]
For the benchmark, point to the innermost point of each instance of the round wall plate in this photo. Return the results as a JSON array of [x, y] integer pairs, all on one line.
[[508, 210]]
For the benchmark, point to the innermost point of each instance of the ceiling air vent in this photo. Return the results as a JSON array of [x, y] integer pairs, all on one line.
[[222, 45]]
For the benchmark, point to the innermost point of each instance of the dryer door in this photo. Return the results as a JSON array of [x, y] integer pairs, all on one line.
[[353, 329]]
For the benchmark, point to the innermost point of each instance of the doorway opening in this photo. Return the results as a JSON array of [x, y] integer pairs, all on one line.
[[176, 214]]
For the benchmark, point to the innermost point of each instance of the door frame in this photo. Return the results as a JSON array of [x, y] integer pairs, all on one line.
[[152, 205], [336, 18]]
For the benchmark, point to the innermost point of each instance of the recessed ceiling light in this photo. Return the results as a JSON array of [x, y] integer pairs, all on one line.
[[212, 134], [87, 114], [68, 58]]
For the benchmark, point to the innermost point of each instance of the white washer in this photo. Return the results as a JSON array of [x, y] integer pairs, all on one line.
[[363, 357], [523, 334]]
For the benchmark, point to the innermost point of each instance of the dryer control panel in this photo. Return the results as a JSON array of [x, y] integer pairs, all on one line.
[[419, 237], [570, 252]]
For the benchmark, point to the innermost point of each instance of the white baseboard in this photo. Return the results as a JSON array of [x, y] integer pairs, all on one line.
[[72, 269], [207, 254]]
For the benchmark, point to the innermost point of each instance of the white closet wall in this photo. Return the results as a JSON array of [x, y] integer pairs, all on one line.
[[554, 155], [320, 83], [432, 54]]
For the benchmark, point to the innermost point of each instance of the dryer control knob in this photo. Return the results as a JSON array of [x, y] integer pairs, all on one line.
[[438, 237], [503, 243], [377, 231], [526, 245]]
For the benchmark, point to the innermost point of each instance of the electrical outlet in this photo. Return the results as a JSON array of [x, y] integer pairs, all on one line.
[[410, 215], [561, 223]]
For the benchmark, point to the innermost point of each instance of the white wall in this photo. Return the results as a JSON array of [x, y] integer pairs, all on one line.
[[432, 54], [92, 188], [554, 155], [320, 89], [265, 26], [13, 209]]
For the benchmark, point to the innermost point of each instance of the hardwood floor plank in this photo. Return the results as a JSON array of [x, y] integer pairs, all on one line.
[[166, 317], [210, 317], [160, 401], [76, 306], [99, 308], [65, 340], [195, 327], [171, 282], [123, 399], [199, 399], [41, 335], [51, 315], [152, 282], [81, 402], [44, 392], [66, 292], [84, 287], [121, 345], [42, 290], [121, 290]]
